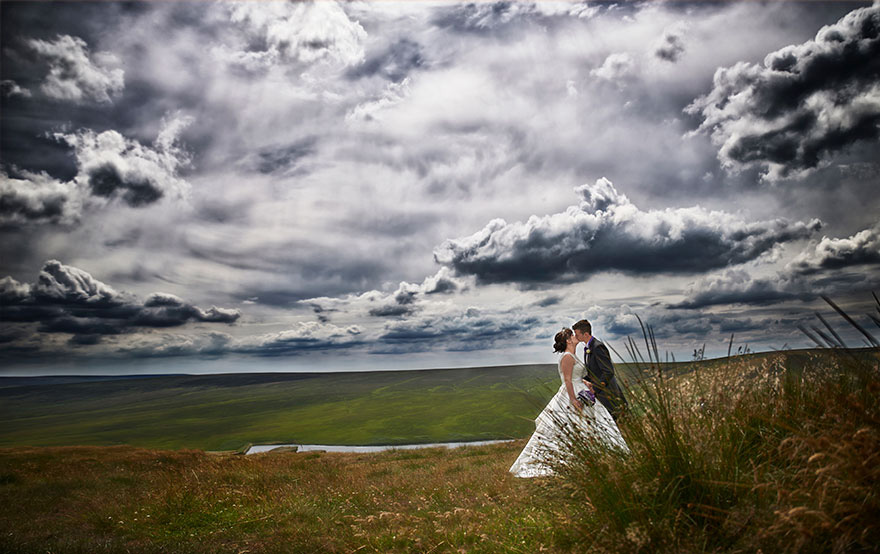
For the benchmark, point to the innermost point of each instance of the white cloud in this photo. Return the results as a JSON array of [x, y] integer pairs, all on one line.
[[77, 75], [307, 31], [615, 68], [862, 248], [112, 166]]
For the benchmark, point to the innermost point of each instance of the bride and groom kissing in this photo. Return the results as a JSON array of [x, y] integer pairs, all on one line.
[[573, 410]]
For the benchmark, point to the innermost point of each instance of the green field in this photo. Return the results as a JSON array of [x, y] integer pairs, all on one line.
[[229, 411], [226, 412]]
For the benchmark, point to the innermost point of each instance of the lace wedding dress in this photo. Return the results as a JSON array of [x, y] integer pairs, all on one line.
[[560, 422]]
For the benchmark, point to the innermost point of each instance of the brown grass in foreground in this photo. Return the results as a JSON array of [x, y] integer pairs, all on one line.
[[122, 499], [744, 458]]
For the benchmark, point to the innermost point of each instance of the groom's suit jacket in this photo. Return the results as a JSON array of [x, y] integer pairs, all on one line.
[[600, 372]]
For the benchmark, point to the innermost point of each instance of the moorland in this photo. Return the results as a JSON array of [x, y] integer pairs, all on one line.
[[774, 452]]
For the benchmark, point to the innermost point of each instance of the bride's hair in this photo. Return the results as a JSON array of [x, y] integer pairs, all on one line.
[[560, 341]]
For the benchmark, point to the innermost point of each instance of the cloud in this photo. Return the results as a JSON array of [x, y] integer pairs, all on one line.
[[370, 110], [306, 32], [406, 300], [283, 159], [615, 68], [606, 232], [860, 249], [736, 286], [480, 17], [10, 88], [814, 271], [167, 345], [394, 63], [460, 330], [75, 74], [39, 198], [503, 16], [805, 104], [670, 47], [111, 166], [65, 299], [305, 337]]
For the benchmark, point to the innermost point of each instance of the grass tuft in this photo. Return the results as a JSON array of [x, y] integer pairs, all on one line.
[[780, 456]]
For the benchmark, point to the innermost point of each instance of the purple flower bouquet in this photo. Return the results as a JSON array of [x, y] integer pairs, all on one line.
[[587, 397]]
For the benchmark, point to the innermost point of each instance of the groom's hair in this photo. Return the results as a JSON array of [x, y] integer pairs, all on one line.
[[583, 326]]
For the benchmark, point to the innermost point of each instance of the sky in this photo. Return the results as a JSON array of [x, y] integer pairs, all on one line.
[[196, 187]]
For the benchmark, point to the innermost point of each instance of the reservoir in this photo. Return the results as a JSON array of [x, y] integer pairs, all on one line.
[[257, 448]]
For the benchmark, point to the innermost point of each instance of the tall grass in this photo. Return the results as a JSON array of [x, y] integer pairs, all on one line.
[[778, 457]]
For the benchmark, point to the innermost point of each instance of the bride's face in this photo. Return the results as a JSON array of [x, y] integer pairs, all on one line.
[[572, 341]]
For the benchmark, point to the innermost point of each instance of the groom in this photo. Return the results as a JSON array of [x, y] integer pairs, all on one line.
[[600, 370]]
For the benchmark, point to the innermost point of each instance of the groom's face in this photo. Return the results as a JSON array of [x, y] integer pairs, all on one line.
[[580, 335]]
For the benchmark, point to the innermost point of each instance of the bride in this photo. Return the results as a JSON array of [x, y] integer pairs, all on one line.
[[565, 417]]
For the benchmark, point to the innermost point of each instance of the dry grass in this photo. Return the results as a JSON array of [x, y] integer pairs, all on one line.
[[741, 458], [122, 499]]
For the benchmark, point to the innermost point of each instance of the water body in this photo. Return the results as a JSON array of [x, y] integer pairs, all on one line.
[[257, 448]]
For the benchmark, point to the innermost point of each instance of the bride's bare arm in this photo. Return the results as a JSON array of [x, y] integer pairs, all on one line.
[[567, 370]]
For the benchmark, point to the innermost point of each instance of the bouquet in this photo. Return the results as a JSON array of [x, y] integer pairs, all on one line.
[[587, 397]]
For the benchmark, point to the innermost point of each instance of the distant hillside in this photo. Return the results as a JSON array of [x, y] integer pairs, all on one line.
[[228, 411]]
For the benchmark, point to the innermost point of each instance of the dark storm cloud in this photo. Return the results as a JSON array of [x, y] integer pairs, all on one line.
[[135, 191], [395, 63], [805, 104], [457, 332], [738, 287], [860, 249], [821, 268], [392, 311], [606, 232], [38, 198], [84, 340], [65, 299], [109, 166]]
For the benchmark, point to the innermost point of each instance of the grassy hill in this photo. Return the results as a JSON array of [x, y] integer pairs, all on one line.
[[228, 411]]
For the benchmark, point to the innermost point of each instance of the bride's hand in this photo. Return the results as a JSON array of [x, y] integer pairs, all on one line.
[[589, 386]]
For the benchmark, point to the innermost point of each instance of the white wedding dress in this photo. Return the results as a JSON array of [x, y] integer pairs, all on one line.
[[560, 422]]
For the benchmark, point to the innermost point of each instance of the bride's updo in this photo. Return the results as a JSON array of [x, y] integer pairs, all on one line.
[[560, 341]]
